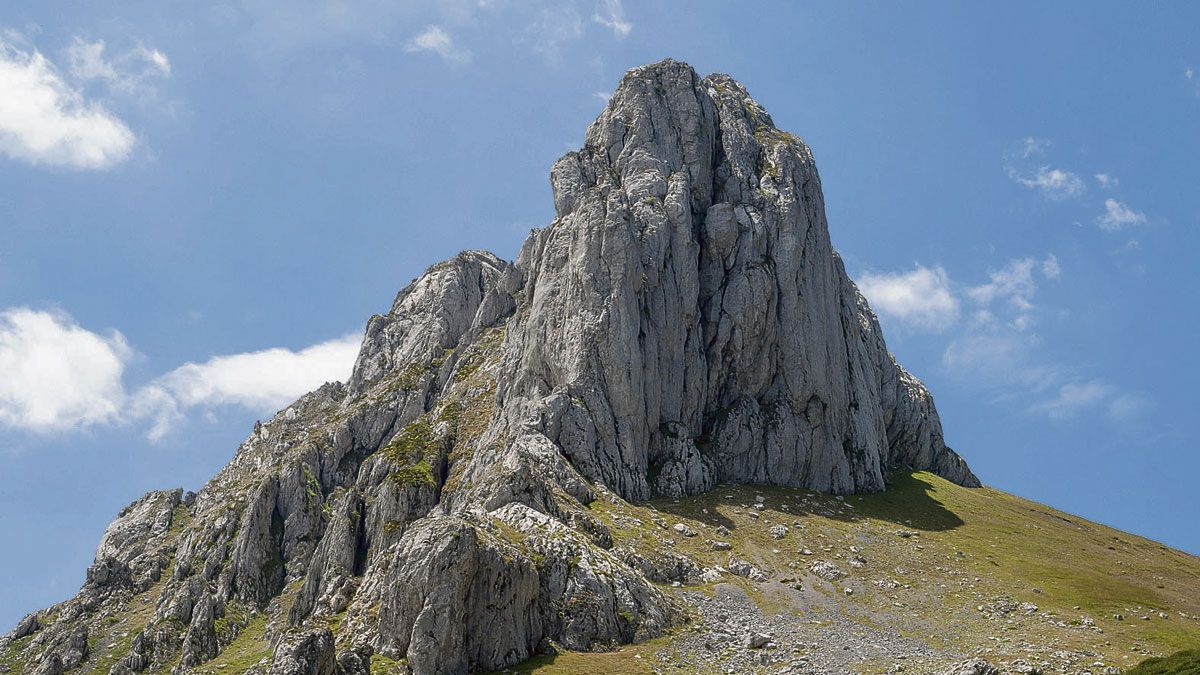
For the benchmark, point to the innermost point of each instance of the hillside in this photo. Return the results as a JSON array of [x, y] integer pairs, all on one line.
[[937, 573]]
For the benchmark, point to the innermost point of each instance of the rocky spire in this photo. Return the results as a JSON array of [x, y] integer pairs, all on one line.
[[684, 321]]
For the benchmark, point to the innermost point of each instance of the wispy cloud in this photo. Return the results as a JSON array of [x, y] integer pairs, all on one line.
[[1118, 216], [1080, 396], [553, 28], [1106, 181], [61, 377], [993, 338], [435, 40], [1013, 282], [611, 15], [1052, 183], [1073, 397], [131, 72], [1050, 267], [1033, 147], [921, 298], [44, 120]]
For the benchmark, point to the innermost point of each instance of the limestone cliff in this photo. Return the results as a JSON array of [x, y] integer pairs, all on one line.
[[683, 322]]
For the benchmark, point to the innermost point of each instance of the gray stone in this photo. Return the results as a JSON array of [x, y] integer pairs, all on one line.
[[306, 653], [757, 641], [683, 529], [976, 666], [826, 570]]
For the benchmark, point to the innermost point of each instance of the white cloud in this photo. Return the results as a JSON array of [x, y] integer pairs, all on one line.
[[1118, 216], [921, 298], [56, 375], [1052, 183], [87, 61], [262, 381], [1074, 397], [155, 59], [1079, 396], [611, 15], [1125, 407], [1014, 281], [997, 347], [45, 121], [60, 377], [436, 40], [129, 72], [1106, 181], [1050, 267], [553, 28], [998, 357], [602, 96], [277, 27], [1031, 147]]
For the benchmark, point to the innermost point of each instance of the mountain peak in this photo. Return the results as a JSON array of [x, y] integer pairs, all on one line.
[[683, 322]]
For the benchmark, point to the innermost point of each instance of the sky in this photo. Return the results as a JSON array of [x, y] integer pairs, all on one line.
[[202, 203]]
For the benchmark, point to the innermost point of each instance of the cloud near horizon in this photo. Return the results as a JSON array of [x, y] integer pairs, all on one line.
[[62, 377]]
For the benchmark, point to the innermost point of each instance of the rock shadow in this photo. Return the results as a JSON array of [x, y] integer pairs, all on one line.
[[910, 501]]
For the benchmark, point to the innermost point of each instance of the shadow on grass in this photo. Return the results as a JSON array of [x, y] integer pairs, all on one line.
[[1179, 663], [910, 501]]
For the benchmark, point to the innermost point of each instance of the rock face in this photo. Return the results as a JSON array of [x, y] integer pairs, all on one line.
[[687, 321], [683, 322]]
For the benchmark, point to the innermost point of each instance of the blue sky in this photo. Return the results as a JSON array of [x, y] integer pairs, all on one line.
[[201, 204]]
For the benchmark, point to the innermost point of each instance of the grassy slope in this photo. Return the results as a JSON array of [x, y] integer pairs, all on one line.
[[1180, 663], [972, 549]]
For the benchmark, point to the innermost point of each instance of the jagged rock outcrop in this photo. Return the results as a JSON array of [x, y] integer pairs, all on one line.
[[309, 653], [687, 320], [683, 322]]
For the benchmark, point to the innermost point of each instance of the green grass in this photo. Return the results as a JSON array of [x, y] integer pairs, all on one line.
[[638, 659], [1179, 663], [967, 548], [247, 649], [383, 665]]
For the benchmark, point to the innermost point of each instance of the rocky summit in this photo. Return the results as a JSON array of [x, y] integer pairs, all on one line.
[[464, 501]]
